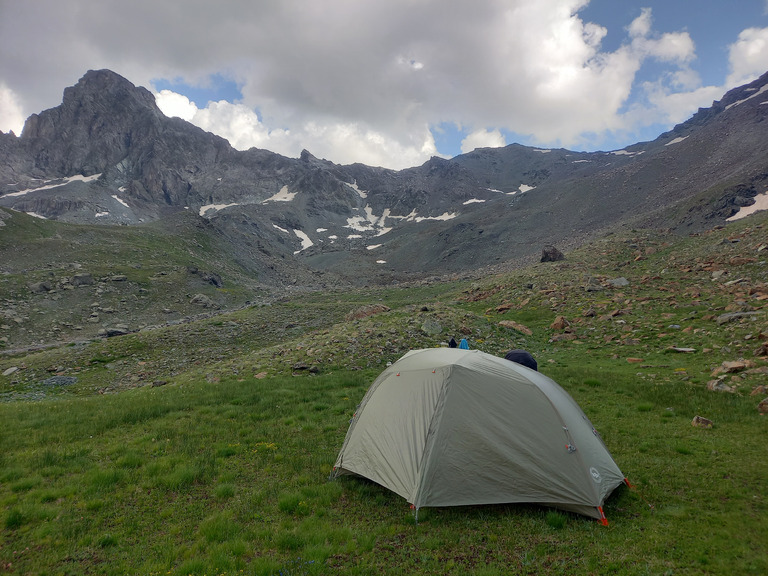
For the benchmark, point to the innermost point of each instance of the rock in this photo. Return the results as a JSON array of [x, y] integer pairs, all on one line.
[[512, 325], [762, 407], [115, 331], [212, 278], [759, 390], [82, 279], [619, 282], [551, 254], [560, 323], [565, 337], [365, 311], [40, 287], [119, 278], [59, 381], [730, 367], [723, 318], [683, 350], [634, 360], [158, 383], [431, 326], [719, 386], [204, 301], [762, 350], [11, 370], [593, 284], [700, 422]]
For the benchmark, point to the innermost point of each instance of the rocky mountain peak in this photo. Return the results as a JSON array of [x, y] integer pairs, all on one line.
[[93, 127]]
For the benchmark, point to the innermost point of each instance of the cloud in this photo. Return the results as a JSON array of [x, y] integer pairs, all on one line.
[[11, 116], [367, 81], [344, 143], [175, 105], [748, 56], [483, 139]]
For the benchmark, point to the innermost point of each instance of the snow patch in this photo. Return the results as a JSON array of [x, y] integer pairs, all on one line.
[[354, 187], [354, 236], [676, 141], [542, 150], [474, 201], [282, 196], [78, 178], [374, 246], [525, 188], [100, 214], [761, 203], [305, 241], [763, 89], [36, 215], [207, 207], [322, 230], [412, 217], [281, 229], [381, 261], [122, 201]]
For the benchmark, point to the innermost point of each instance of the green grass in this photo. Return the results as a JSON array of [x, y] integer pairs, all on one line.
[[234, 477], [224, 468]]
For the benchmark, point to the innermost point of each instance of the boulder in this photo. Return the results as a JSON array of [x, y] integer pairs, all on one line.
[[431, 326], [560, 323], [365, 311], [114, 331], [212, 278], [763, 406], [82, 279], [59, 381], [204, 301], [551, 254], [700, 422], [40, 287], [719, 386], [517, 327]]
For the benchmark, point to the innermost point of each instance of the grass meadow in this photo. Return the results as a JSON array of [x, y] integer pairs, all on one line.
[[206, 448], [232, 478]]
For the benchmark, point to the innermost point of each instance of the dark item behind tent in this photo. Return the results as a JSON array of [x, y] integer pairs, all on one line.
[[522, 357], [452, 343]]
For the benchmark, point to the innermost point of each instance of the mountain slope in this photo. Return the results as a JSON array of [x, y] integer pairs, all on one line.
[[107, 155]]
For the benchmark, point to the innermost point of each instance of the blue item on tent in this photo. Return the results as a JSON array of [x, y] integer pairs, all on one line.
[[464, 345]]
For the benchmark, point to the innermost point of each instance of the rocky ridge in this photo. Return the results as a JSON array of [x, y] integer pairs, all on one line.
[[107, 155]]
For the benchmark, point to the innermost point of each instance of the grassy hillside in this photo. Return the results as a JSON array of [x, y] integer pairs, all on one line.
[[205, 447]]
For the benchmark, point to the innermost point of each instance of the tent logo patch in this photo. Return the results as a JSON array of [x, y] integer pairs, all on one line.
[[595, 475]]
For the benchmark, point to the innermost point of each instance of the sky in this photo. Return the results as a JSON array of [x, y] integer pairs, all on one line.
[[393, 82]]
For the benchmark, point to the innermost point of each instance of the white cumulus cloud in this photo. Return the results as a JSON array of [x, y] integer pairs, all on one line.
[[11, 116], [483, 139], [748, 56], [373, 81]]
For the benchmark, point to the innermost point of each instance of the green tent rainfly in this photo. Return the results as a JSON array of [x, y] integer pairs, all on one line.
[[450, 427]]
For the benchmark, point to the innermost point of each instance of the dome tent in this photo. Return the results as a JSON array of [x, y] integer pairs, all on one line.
[[451, 427]]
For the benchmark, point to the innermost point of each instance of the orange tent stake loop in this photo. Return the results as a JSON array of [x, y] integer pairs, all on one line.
[[603, 520]]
